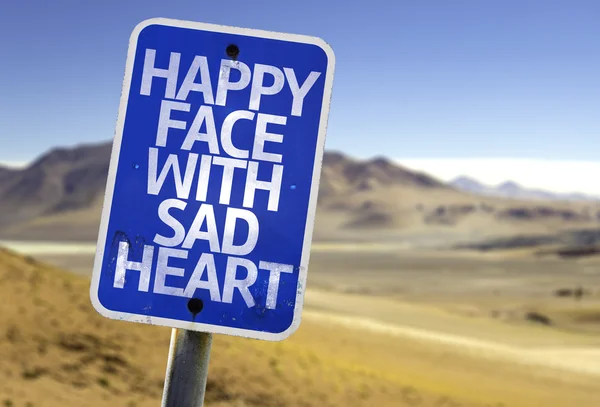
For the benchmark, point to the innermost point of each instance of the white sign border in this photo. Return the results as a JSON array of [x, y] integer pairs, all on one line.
[[110, 184]]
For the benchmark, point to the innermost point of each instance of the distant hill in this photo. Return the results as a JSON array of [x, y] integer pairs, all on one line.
[[342, 174], [60, 183], [5, 173], [376, 198], [60, 195], [512, 190]]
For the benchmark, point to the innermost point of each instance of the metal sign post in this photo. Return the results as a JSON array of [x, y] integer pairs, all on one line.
[[187, 369]]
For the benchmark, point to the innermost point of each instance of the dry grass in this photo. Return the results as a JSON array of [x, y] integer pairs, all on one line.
[[55, 350]]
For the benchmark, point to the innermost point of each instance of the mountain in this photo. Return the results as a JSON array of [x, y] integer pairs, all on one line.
[[376, 199], [470, 185], [5, 173], [512, 190], [342, 174], [60, 195], [61, 183]]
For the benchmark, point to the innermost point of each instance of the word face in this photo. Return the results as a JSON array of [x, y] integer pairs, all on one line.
[[213, 180]]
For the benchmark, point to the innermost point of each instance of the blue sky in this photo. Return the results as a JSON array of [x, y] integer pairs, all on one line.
[[414, 79]]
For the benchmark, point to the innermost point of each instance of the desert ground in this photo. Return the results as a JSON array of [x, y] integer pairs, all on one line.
[[383, 326]]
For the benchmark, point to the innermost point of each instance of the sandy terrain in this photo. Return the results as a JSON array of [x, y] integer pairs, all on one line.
[[434, 343]]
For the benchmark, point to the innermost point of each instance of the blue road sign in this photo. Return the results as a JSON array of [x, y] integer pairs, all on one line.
[[213, 180]]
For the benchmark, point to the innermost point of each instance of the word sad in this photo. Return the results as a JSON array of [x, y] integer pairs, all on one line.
[[197, 281]]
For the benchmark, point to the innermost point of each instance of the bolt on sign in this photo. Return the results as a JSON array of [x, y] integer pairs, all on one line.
[[212, 188]]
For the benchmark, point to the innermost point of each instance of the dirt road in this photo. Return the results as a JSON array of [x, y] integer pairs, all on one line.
[[583, 360]]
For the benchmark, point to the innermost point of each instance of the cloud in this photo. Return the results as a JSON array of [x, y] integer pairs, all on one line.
[[553, 175], [14, 164]]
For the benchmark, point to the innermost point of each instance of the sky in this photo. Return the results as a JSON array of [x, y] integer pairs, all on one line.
[[443, 86]]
